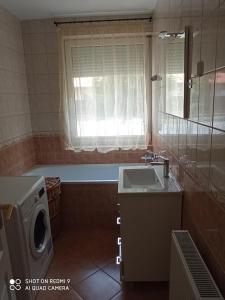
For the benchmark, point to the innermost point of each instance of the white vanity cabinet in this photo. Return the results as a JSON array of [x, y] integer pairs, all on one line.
[[147, 219]]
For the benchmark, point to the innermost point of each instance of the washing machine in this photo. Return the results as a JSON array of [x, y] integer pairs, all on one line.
[[28, 230]]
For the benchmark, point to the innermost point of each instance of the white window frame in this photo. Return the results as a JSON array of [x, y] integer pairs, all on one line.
[[71, 41]]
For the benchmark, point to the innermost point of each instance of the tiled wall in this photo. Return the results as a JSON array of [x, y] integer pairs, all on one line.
[[41, 57], [16, 149], [50, 150], [17, 157], [89, 204], [196, 146]]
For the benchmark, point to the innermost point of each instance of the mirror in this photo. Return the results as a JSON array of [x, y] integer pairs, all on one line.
[[176, 73]]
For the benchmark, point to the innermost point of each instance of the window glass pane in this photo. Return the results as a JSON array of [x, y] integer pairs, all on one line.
[[108, 83]]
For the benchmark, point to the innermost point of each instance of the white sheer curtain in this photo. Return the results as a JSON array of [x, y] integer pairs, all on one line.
[[105, 97]]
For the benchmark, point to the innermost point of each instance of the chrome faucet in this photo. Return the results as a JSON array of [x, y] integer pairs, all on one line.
[[165, 163], [153, 160]]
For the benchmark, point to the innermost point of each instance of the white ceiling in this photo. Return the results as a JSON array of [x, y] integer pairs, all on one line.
[[34, 9]]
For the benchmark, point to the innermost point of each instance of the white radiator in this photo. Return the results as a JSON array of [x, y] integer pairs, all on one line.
[[190, 279]]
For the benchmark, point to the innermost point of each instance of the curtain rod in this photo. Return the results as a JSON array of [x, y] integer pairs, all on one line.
[[95, 21]]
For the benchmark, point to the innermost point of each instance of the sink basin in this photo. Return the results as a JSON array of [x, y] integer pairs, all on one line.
[[138, 179], [141, 177]]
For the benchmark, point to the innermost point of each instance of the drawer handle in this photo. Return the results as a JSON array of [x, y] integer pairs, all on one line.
[[118, 260], [118, 221], [119, 241]]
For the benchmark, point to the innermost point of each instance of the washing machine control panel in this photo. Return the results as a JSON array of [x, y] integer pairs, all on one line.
[[33, 199]]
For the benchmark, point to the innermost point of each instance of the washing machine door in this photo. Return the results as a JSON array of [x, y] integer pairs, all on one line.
[[39, 230]]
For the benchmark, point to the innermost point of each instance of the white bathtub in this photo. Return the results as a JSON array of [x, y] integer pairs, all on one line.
[[83, 173]]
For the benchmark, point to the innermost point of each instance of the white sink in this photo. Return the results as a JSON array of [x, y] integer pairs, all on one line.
[[140, 179]]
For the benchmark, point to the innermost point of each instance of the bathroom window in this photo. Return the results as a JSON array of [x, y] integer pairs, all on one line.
[[107, 97]]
